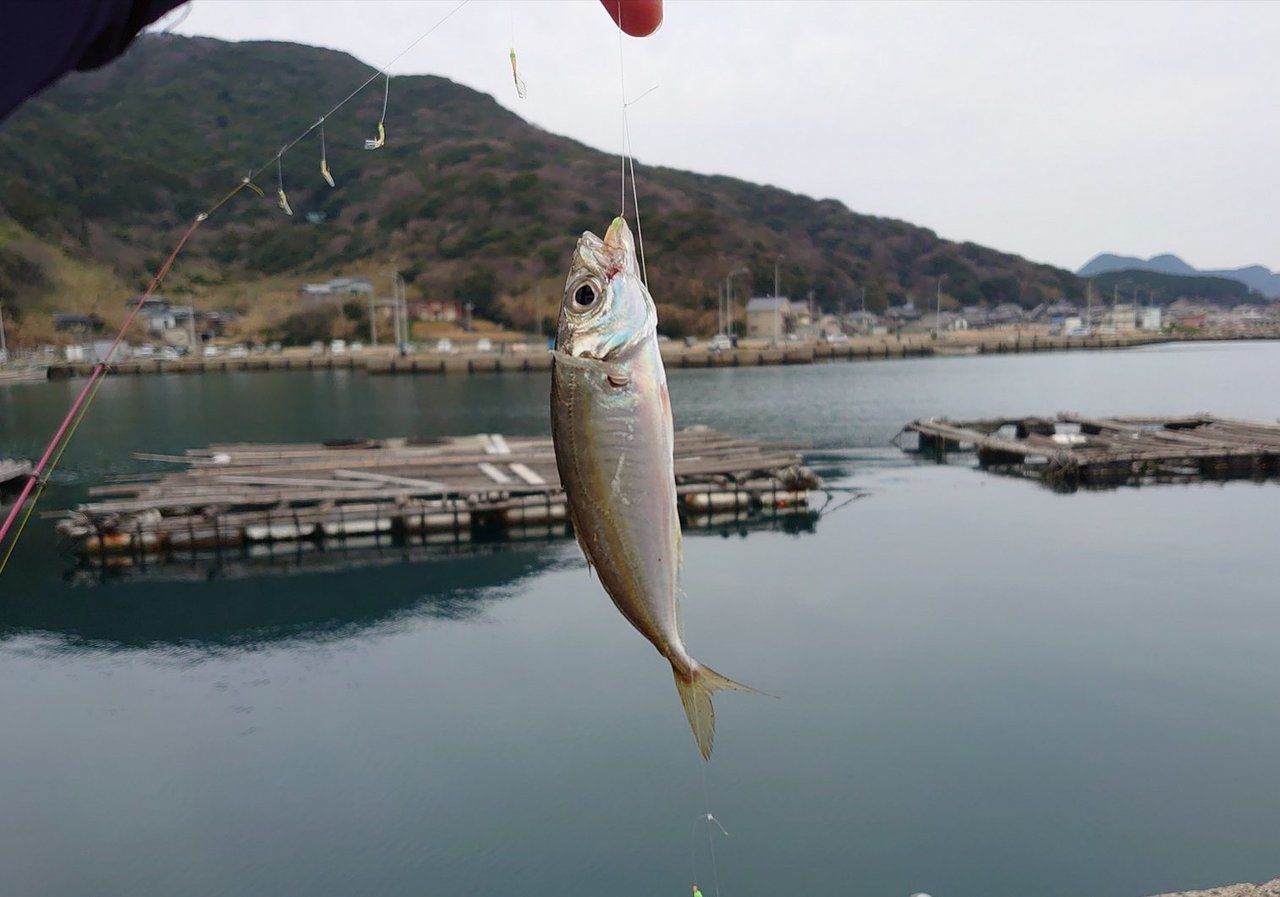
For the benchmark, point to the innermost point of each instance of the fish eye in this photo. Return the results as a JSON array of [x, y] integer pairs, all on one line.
[[585, 296]]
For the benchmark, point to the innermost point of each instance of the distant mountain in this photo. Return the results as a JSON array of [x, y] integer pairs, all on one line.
[[1162, 289], [467, 199], [1257, 278]]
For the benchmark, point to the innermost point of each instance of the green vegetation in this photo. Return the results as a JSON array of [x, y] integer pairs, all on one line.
[[1165, 288], [478, 205]]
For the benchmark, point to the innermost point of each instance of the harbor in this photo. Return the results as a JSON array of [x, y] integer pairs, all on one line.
[[442, 491], [1071, 450], [205, 673], [674, 356]]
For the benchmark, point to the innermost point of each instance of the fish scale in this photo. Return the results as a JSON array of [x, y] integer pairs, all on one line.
[[612, 431]]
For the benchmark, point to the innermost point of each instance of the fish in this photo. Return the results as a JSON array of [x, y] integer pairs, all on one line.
[[612, 430]]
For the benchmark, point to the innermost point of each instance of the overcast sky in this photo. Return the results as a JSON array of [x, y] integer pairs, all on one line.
[[1052, 130]]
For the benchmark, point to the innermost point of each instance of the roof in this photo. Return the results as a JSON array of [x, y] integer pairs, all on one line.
[[768, 303]]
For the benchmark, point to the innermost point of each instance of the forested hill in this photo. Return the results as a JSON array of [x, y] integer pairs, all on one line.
[[469, 200], [1257, 278]]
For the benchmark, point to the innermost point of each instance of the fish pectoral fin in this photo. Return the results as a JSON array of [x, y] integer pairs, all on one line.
[[615, 372], [695, 694]]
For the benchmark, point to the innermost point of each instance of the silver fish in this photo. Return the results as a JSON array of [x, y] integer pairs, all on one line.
[[611, 425]]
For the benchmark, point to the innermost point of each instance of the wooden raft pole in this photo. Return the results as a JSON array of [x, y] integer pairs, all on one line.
[[1072, 449], [237, 494]]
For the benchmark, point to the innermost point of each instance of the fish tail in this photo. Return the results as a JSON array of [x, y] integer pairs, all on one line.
[[696, 686]]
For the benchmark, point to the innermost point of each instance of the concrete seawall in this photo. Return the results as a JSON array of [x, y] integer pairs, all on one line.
[[673, 357]]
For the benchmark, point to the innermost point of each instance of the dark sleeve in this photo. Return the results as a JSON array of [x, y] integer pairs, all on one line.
[[41, 40]]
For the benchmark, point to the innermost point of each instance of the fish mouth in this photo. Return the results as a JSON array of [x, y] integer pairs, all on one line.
[[618, 242]]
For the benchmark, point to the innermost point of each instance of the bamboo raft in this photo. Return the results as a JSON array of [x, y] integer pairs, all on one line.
[[1072, 450], [411, 491], [13, 473]]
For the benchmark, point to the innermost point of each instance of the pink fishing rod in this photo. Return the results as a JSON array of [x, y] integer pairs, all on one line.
[[97, 373]]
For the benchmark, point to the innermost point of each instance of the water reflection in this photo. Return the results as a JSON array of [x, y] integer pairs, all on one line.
[[234, 599], [143, 607]]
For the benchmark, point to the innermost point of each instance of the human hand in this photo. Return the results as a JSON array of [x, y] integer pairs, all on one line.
[[638, 18]]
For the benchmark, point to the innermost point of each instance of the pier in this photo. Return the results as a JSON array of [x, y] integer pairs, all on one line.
[[410, 491], [1070, 450]]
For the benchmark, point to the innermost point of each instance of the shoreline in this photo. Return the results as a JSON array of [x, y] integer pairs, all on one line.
[[858, 349], [1265, 889]]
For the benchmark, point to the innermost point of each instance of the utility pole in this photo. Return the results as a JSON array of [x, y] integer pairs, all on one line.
[[728, 281], [405, 332], [395, 310], [373, 322], [777, 279], [470, 305], [4, 348], [864, 300], [937, 330], [719, 307]]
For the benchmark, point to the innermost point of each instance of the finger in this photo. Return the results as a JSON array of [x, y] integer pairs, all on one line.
[[638, 18]]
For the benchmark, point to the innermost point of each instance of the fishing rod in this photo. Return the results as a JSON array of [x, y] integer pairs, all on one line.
[[57, 445]]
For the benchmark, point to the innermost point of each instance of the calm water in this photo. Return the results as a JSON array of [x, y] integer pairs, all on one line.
[[986, 689]]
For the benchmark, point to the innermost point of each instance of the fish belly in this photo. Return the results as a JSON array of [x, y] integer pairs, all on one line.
[[613, 449]]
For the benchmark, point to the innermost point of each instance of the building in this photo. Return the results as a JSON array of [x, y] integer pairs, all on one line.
[[861, 321], [1121, 317], [1151, 318], [770, 317], [335, 290], [74, 323], [901, 314], [437, 310]]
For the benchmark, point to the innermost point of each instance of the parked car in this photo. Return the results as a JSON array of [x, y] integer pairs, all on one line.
[[720, 343], [518, 347], [169, 353], [836, 339], [275, 348], [444, 344], [357, 346], [212, 351], [317, 348], [145, 351], [238, 352], [484, 345], [338, 347]]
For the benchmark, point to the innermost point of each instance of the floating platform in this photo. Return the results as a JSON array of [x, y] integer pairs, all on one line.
[[1071, 450], [13, 474], [411, 491]]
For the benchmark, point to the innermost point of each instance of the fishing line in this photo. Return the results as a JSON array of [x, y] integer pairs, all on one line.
[[44, 480], [515, 70], [374, 77], [628, 159], [324, 158], [71, 421], [715, 873], [281, 199], [381, 139], [708, 818]]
